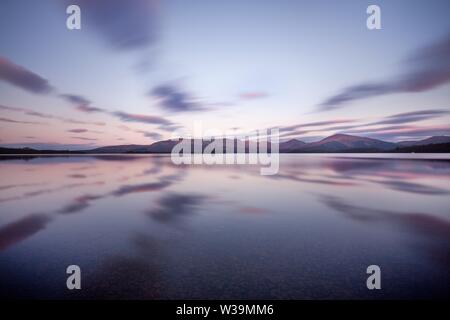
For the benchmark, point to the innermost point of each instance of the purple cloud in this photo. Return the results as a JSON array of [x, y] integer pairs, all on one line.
[[18, 121], [152, 135], [125, 25], [39, 114], [84, 138], [75, 99], [89, 109], [77, 130], [149, 119], [315, 124], [427, 69], [23, 78], [81, 103], [2, 107], [174, 99], [412, 116]]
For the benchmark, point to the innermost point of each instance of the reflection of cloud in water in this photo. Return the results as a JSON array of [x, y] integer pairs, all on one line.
[[391, 168], [39, 192], [83, 168], [15, 232], [80, 203], [23, 185], [297, 178], [120, 276], [356, 171], [172, 206], [144, 187], [162, 183], [435, 230], [77, 176], [253, 210], [413, 187]]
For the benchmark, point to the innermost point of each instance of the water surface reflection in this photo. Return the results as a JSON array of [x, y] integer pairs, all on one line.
[[141, 227]]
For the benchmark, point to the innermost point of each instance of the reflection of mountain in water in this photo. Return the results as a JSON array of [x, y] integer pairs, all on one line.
[[331, 144]]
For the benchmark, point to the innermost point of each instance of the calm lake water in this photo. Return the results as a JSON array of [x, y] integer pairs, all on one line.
[[141, 227]]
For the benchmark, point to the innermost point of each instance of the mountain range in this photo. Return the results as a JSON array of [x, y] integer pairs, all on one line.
[[333, 144]]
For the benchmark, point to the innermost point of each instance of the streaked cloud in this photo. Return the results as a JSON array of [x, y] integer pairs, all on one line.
[[175, 99], [149, 119], [81, 103], [77, 130], [84, 138], [75, 99], [49, 116], [148, 134], [124, 25], [315, 124], [89, 109], [21, 77], [412, 132], [412, 116], [18, 121], [425, 69]]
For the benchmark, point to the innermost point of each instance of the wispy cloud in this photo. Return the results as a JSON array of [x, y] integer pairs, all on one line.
[[149, 119], [75, 99], [391, 127], [77, 130], [18, 121], [21, 77], [426, 69], [48, 116], [148, 134], [84, 138], [124, 25], [315, 124], [81, 103], [412, 132], [89, 109], [175, 99], [412, 116]]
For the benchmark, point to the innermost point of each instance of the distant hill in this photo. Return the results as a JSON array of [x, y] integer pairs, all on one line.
[[335, 143], [291, 145], [346, 143], [431, 148], [34, 151], [118, 149], [431, 140]]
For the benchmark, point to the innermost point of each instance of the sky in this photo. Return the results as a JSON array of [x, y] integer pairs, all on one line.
[[139, 71]]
